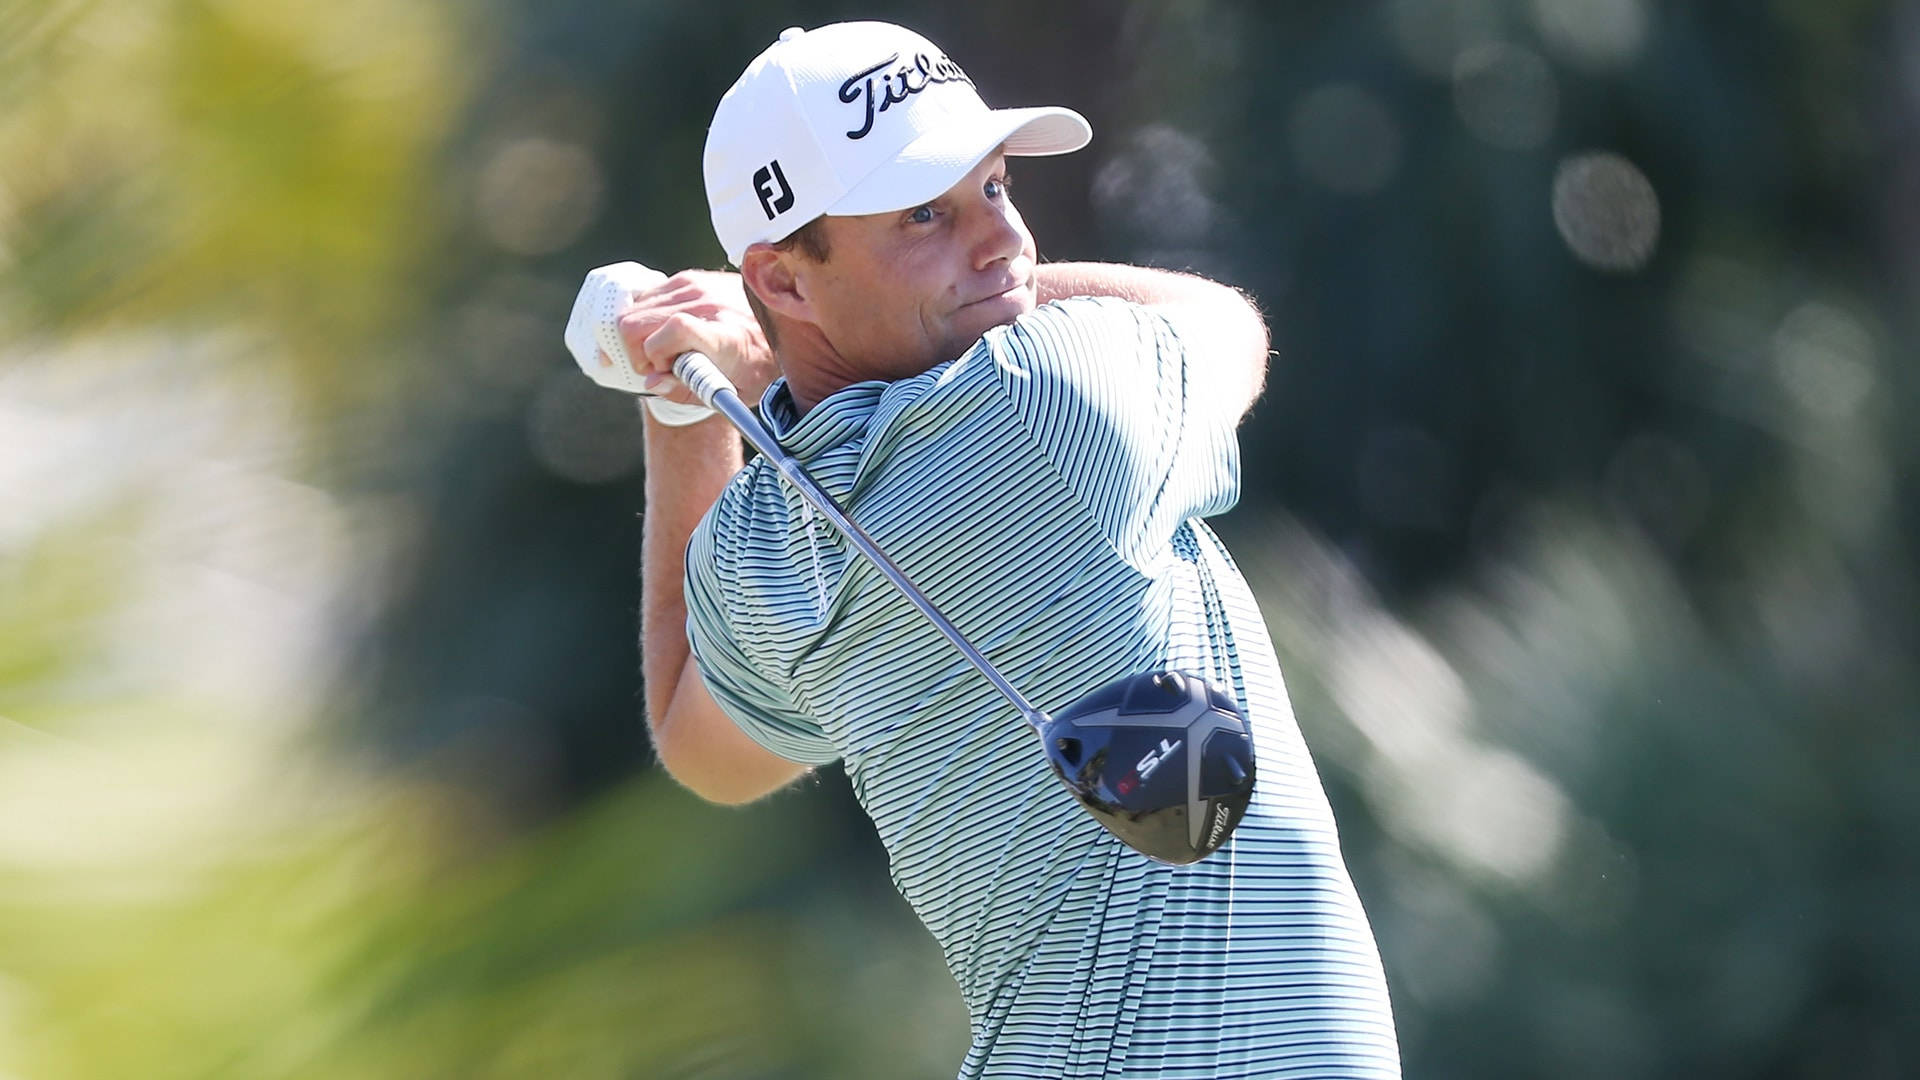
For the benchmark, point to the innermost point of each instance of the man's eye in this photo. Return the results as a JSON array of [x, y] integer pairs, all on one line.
[[921, 215], [999, 187]]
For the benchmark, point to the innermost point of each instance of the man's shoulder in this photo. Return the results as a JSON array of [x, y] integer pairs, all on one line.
[[745, 506]]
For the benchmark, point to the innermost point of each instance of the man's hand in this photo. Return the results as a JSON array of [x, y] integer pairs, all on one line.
[[702, 311]]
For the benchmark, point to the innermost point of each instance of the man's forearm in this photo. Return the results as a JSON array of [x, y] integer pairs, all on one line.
[[687, 469], [1220, 317], [1139, 284]]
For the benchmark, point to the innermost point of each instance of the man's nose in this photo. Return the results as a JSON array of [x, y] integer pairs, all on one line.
[[999, 236]]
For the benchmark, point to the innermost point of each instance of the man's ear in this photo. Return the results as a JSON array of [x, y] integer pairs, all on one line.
[[769, 272]]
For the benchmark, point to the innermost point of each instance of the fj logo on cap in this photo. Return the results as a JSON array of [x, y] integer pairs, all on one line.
[[774, 201], [897, 85]]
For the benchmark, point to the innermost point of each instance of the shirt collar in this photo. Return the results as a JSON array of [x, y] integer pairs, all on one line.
[[844, 414]]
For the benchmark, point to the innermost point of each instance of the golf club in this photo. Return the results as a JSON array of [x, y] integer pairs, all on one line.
[[1163, 760]]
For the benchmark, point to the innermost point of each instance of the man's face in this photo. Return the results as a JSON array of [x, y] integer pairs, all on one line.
[[903, 291]]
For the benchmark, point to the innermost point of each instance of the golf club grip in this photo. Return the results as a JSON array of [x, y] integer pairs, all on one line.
[[700, 375]]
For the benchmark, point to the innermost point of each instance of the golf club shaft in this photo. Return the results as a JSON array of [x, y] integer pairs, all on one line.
[[705, 379]]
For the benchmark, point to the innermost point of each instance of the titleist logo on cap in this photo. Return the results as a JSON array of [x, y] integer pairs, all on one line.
[[800, 133], [897, 85]]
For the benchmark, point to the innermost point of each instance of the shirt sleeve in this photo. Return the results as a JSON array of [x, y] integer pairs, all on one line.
[[1128, 416], [760, 704]]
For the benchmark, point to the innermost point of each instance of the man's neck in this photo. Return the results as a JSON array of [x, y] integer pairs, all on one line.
[[809, 386], [815, 371]]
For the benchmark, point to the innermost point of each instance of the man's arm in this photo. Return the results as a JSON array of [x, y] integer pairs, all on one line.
[[1217, 321], [698, 743], [688, 467]]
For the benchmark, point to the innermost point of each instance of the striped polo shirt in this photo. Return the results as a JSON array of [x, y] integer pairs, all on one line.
[[1045, 490]]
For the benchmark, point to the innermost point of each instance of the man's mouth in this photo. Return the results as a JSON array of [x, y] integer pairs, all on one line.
[[1004, 294]]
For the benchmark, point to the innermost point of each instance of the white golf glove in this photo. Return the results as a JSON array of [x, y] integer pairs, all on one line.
[[593, 328]]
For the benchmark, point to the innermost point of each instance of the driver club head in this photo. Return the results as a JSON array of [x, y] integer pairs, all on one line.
[[1164, 760]]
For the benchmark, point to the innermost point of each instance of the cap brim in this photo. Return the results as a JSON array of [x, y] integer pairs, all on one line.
[[926, 167]]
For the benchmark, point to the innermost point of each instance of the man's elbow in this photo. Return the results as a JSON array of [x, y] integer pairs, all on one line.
[[717, 790], [726, 779], [1240, 334], [1257, 348]]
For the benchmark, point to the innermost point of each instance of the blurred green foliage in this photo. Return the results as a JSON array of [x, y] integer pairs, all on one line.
[[363, 932], [212, 164], [1580, 504]]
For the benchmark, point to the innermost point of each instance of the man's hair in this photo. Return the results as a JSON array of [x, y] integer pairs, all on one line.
[[811, 241]]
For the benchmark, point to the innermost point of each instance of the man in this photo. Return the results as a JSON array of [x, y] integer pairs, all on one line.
[[1035, 445]]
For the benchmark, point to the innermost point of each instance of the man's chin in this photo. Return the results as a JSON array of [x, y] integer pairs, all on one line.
[[978, 318]]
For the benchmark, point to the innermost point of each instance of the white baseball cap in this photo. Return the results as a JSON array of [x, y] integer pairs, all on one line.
[[855, 118]]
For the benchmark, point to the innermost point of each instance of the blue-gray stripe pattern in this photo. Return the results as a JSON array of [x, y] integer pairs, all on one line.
[[1045, 490]]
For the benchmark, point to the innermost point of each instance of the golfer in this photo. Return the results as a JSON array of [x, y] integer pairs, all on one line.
[[1035, 445]]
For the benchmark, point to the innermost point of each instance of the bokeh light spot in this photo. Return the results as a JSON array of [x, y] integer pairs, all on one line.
[[1606, 211], [535, 196], [1824, 358]]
